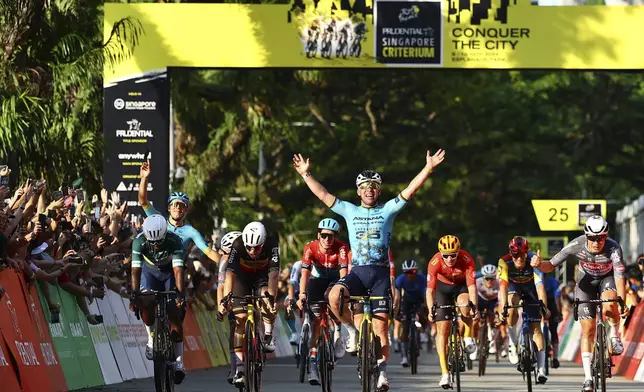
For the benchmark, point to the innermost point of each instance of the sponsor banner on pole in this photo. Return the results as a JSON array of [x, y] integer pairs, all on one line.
[[128, 337], [106, 359], [630, 341], [136, 126], [194, 348], [116, 343]]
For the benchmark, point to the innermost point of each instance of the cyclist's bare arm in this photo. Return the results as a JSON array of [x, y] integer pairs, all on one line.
[[272, 283], [541, 293], [304, 280], [343, 272], [178, 277], [136, 278], [229, 283], [302, 166], [431, 162], [143, 185]]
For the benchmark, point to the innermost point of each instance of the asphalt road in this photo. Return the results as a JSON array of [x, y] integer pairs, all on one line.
[[282, 376]]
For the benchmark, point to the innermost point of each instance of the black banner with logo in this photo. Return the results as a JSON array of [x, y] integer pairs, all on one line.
[[136, 122], [409, 32]]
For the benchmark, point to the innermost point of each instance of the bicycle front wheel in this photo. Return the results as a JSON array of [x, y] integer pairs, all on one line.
[[304, 352], [323, 361], [600, 358], [365, 360], [163, 372], [483, 349], [249, 357], [413, 348], [546, 344]]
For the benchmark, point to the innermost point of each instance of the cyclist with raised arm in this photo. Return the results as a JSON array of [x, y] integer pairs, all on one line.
[[254, 262], [291, 298], [412, 287], [323, 264], [157, 264], [370, 227], [601, 275], [487, 287], [224, 252], [519, 278], [178, 206], [451, 273]]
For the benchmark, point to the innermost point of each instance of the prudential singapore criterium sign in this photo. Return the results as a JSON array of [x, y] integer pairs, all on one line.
[[409, 32]]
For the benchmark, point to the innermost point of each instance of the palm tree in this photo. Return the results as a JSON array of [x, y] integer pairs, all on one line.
[[51, 67]]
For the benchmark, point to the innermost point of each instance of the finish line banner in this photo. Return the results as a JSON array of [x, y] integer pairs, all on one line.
[[361, 33]]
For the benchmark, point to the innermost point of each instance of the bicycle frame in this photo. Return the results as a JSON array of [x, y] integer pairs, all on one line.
[[454, 346]]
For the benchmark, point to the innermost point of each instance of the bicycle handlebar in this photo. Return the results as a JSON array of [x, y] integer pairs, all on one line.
[[577, 301], [358, 298], [470, 305], [522, 304], [249, 298]]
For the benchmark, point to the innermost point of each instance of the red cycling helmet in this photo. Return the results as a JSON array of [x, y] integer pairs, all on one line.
[[519, 245]]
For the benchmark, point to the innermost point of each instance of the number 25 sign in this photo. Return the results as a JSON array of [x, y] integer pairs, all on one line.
[[566, 215]]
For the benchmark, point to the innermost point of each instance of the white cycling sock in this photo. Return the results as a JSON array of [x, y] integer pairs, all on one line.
[[586, 359], [268, 328], [490, 334], [541, 359], [613, 331], [149, 331], [512, 336]]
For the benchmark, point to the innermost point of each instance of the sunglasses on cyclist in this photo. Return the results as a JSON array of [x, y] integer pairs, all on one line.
[[327, 236], [516, 254], [490, 279], [258, 248], [369, 185], [178, 205], [410, 272], [595, 238], [448, 255]]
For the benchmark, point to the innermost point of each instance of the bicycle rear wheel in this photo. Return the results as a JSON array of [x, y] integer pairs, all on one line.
[[457, 358], [526, 364], [303, 359], [323, 357]]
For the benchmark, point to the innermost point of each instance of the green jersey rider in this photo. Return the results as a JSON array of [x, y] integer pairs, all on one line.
[[157, 264]]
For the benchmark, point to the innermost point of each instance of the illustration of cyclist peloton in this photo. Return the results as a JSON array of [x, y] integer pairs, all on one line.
[[334, 38]]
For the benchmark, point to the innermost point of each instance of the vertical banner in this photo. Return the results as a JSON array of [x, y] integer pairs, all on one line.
[[136, 121], [116, 343], [109, 368]]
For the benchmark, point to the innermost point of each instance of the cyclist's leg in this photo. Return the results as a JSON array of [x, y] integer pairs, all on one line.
[[443, 297], [268, 317], [338, 341], [176, 316], [462, 299], [149, 281], [514, 297], [492, 305], [352, 285], [611, 310], [405, 304], [381, 287], [315, 292], [534, 321], [553, 324], [586, 289], [241, 287]]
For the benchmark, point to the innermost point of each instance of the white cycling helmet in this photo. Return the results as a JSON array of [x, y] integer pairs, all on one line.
[[329, 224], [228, 239], [409, 265], [368, 175], [488, 271], [155, 227], [596, 225], [254, 234]]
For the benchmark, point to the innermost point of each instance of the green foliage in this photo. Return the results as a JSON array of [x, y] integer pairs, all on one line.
[[51, 87]]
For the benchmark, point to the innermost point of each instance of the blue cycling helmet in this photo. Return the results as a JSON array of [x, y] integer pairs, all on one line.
[[329, 224], [179, 196]]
